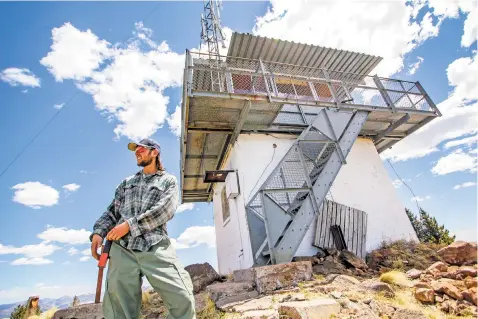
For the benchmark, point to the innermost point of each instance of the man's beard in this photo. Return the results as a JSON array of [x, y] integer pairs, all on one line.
[[145, 163]]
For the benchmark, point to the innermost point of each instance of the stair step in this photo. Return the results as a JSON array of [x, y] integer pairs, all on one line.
[[266, 253]]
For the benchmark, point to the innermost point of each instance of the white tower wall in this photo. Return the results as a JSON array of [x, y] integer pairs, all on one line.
[[362, 183]]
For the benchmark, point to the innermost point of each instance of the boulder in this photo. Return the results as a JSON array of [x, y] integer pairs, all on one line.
[[408, 314], [202, 275], [421, 284], [85, 311], [381, 309], [466, 271], [470, 282], [331, 251], [201, 301], [243, 275], [345, 281], [328, 267], [414, 273], [231, 292], [263, 303], [426, 277], [447, 288], [448, 306], [321, 253], [350, 260], [270, 278], [470, 295], [261, 314], [439, 266], [378, 287], [459, 253], [311, 309], [425, 295], [314, 260]]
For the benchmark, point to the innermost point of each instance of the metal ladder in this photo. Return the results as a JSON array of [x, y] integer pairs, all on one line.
[[282, 209]]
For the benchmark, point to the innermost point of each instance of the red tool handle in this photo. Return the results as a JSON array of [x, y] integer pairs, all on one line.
[[104, 254]]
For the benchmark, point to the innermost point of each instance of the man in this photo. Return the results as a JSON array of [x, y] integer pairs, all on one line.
[[136, 223]]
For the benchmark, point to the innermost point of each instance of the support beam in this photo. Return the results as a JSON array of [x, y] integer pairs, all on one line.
[[391, 128], [384, 93], [201, 156]]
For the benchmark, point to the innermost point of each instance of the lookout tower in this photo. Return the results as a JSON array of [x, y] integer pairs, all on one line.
[[284, 138]]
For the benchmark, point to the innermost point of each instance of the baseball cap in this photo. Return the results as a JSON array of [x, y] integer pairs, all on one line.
[[146, 142]]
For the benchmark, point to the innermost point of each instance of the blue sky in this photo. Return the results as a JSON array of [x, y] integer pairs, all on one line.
[[121, 80]]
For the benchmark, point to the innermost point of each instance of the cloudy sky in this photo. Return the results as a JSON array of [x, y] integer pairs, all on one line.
[[107, 73]]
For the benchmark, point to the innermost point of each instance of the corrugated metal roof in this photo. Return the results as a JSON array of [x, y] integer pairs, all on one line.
[[248, 46]]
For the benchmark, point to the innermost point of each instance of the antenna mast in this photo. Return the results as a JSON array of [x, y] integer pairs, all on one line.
[[212, 35]]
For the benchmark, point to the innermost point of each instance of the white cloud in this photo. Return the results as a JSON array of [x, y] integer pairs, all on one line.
[[414, 66], [457, 161], [16, 76], [71, 187], [84, 258], [419, 199], [25, 91], [460, 114], [195, 236], [35, 194], [59, 106], [86, 255], [65, 236], [470, 28], [31, 261], [183, 207], [126, 82], [174, 121], [388, 29], [75, 54], [464, 185], [30, 251], [73, 251], [465, 141], [66, 263], [83, 171]]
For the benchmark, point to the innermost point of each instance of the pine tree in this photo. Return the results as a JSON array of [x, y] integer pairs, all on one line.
[[427, 229], [18, 312], [76, 301]]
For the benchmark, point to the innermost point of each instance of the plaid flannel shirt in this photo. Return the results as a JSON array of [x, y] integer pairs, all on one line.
[[146, 203]]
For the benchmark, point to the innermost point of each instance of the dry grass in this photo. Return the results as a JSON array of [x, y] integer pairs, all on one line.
[[319, 277], [145, 299], [210, 311], [395, 277], [45, 315]]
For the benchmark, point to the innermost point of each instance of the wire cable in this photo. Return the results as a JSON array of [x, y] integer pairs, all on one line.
[[403, 182], [59, 111], [265, 169]]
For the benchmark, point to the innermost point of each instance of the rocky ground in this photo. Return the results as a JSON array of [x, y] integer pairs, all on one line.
[[333, 285]]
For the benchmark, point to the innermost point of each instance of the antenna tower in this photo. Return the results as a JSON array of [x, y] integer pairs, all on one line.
[[212, 35]]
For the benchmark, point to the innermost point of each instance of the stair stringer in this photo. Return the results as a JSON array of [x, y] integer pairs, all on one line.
[[293, 236]]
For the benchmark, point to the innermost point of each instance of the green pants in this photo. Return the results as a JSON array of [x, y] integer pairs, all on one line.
[[164, 272]]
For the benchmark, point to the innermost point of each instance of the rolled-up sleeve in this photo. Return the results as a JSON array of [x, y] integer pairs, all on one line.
[[110, 217], [161, 212]]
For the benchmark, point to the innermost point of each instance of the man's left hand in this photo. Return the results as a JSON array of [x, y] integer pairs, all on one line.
[[118, 232]]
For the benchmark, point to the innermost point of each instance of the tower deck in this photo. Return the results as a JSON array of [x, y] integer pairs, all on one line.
[[269, 86]]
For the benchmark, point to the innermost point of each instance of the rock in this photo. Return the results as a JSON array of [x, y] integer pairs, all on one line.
[[466, 271], [414, 273], [331, 251], [312, 309], [314, 260], [202, 275], [349, 259], [261, 314], [378, 287], [201, 301], [293, 297], [439, 298], [336, 294], [262, 303], [426, 277], [381, 310], [464, 308], [85, 311], [448, 289], [328, 267], [448, 306], [459, 253], [408, 314], [231, 292], [425, 295], [243, 275], [470, 295], [440, 266], [269, 278], [421, 284], [345, 281], [471, 282]]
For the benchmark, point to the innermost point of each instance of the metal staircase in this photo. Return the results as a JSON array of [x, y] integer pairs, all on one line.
[[282, 209]]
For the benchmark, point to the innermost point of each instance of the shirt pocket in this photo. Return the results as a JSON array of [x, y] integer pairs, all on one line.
[[155, 192], [130, 191]]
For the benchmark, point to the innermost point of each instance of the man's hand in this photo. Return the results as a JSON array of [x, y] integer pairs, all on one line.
[[118, 232], [96, 243]]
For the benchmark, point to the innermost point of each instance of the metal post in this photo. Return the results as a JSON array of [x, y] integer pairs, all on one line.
[[428, 99], [269, 239], [331, 88], [406, 93], [384, 93], [265, 79], [314, 92]]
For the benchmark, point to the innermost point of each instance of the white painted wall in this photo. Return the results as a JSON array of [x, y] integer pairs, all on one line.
[[363, 184]]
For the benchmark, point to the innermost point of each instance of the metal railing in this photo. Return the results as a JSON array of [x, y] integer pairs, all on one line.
[[286, 83]]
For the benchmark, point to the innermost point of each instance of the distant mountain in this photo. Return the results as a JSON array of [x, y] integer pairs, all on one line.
[[47, 303]]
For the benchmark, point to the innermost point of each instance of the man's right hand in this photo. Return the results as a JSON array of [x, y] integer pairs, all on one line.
[[96, 242]]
